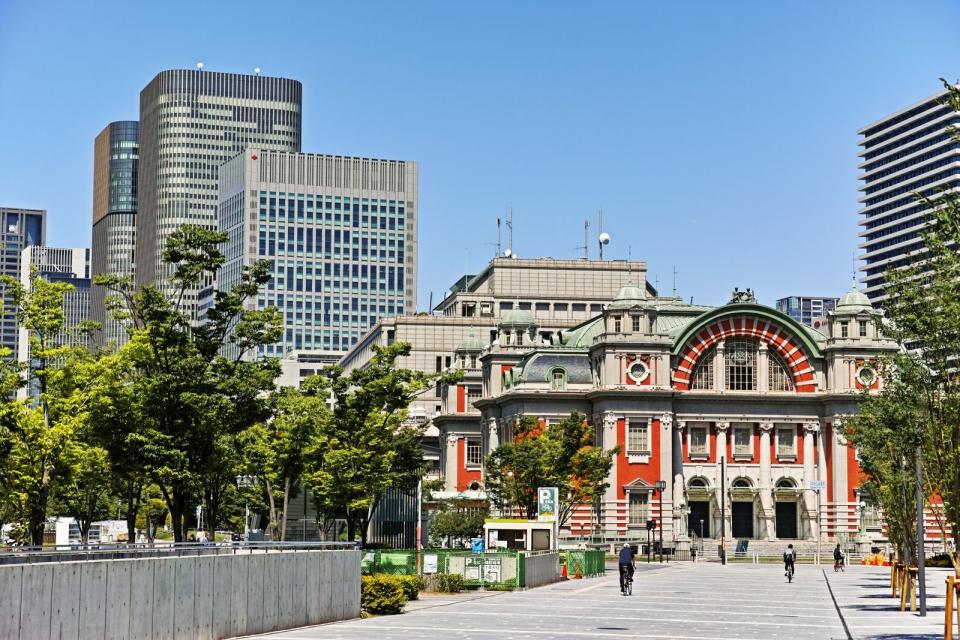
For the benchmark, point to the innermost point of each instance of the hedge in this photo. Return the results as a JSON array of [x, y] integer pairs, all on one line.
[[381, 595]]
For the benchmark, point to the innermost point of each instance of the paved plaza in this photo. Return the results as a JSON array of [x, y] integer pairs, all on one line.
[[688, 601]]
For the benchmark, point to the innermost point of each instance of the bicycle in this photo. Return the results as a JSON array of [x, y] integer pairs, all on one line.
[[838, 566], [789, 572], [627, 589]]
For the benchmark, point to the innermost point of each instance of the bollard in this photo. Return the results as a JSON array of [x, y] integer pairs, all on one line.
[[948, 610]]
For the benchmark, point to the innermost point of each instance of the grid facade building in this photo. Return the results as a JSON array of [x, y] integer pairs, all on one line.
[[907, 152], [806, 309], [191, 122], [21, 228], [115, 163], [341, 235]]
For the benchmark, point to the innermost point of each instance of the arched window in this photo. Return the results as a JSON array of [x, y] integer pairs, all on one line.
[[558, 379], [703, 371], [786, 483], [741, 483], [778, 373], [741, 365], [698, 483]]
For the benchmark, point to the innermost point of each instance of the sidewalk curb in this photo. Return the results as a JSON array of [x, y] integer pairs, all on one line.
[[836, 606]]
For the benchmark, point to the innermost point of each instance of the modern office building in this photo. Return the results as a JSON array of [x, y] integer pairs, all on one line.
[[21, 228], [341, 235], [904, 153], [191, 122], [115, 159], [70, 266], [805, 309]]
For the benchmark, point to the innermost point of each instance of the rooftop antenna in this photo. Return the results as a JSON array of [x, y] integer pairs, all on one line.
[[604, 238], [497, 254], [509, 252], [586, 240], [675, 272], [853, 272], [629, 264]]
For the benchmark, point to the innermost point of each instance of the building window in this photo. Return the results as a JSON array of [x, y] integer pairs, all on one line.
[[863, 328], [638, 436], [777, 377], [474, 455], [558, 380], [741, 365], [844, 331], [698, 441], [786, 442], [639, 507], [703, 372], [616, 324], [638, 371], [636, 323], [743, 441]]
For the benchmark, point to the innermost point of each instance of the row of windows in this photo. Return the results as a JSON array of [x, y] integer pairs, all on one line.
[[740, 368], [903, 153], [742, 441]]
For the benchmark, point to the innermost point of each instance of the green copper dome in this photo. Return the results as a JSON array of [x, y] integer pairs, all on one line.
[[628, 296], [854, 301], [517, 318], [471, 344]]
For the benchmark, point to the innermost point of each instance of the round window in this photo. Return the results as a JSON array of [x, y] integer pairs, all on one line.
[[638, 371], [866, 376]]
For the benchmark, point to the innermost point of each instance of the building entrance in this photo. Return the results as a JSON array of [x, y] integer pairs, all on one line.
[[699, 513], [787, 520], [742, 519]]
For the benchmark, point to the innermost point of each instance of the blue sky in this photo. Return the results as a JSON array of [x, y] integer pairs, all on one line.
[[719, 137]]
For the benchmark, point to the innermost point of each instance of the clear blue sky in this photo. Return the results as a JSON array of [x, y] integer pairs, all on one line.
[[719, 137]]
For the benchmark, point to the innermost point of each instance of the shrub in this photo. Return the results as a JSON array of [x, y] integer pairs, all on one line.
[[381, 595], [412, 585], [941, 560], [443, 582]]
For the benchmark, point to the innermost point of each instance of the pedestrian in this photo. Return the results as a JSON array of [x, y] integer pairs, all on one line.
[[625, 563], [837, 559]]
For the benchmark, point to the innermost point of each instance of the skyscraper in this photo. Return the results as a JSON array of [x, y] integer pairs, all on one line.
[[115, 159], [21, 228], [804, 309], [340, 232], [191, 122], [906, 152], [70, 266]]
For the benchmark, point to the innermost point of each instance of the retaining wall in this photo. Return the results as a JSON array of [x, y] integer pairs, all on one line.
[[540, 569], [205, 597]]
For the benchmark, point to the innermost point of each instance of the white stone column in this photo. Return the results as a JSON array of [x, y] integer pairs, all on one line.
[[765, 484], [679, 487], [721, 454], [822, 475], [670, 512], [450, 463], [763, 378], [841, 501], [719, 367], [493, 435], [810, 430], [608, 507]]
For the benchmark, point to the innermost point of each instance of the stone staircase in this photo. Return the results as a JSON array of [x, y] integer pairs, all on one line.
[[767, 547]]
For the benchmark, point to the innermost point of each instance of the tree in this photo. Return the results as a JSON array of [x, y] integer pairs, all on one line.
[[920, 404], [454, 522], [364, 449], [195, 389], [561, 455]]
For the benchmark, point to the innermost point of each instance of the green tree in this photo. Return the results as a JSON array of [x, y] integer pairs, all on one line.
[[561, 455], [364, 449], [195, 389], [456, 521]]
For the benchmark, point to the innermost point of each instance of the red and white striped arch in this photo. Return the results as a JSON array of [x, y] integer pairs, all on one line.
[[778, 338]]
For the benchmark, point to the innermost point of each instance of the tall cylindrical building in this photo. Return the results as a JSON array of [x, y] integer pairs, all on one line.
[[191, 122], [115, 159]]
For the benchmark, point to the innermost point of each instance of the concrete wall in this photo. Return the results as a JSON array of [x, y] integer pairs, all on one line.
[[205, 597], [540, 569]]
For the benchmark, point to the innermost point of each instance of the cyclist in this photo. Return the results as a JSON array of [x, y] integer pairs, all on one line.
[[837, 559], [789, 559], [626, 566]]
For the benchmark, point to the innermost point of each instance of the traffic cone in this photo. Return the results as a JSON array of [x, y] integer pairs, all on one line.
[[579, 574], [563, 574]]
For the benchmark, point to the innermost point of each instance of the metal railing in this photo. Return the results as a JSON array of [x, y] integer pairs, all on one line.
[[119, 551]]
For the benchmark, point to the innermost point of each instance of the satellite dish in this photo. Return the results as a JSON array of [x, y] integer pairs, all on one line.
[[507, 253], [200, 66], [604, 238]]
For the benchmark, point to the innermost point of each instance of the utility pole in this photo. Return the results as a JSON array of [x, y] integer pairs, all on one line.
[[921, 560], [661, 485]]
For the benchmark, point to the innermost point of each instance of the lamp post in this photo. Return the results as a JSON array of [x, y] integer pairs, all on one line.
[[701, 534], [660, 485]]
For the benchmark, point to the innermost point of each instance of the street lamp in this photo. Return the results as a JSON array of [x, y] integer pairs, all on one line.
[[701, 534], [660, 485]]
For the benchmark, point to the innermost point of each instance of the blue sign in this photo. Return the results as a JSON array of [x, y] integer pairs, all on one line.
[[477, 545]]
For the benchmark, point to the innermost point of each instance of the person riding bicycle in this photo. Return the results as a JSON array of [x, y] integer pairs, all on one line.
[[789, 559], [837, 559], [626, 565]]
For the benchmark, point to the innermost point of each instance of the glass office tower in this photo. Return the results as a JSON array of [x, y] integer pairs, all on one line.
[[191, 122], [21, 228], [115, 160]]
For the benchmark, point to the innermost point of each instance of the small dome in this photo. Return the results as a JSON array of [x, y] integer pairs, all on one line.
[[470, 345], [517, 318], [854, 301], [628, 296]]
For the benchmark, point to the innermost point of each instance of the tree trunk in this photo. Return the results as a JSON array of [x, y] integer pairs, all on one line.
[[286, 504], [133, 508], [273, 508]]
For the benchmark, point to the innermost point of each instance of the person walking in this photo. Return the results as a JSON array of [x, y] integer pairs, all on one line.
[[837, 559], [626, 565]]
